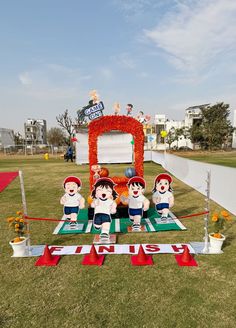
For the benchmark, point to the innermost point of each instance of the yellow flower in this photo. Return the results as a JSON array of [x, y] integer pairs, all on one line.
[[215, 217], [17, 225], [9, 220], [22, 220], [19, 213], [17, 219], [17, 230]]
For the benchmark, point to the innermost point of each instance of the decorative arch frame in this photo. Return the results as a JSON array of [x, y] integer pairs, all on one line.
[[121, 123]]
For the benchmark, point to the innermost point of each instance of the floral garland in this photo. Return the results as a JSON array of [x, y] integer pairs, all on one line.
[[121, 123]]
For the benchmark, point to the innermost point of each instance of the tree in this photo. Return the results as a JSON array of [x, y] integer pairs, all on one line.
[[170, 136], [66, 122], [81, 119], [196, 136], [215, 129], [178, 133], [56, 137], [69, 125]]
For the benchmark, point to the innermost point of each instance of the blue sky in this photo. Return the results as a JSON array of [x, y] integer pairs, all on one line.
[[160, 55]]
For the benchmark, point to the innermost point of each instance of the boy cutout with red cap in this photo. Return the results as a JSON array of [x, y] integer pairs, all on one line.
[[72, 200], [162, 195], [103, 195], [137, 202]]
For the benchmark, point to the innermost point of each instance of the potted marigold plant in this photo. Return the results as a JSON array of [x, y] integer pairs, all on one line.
[[19, 243], [217, 238]]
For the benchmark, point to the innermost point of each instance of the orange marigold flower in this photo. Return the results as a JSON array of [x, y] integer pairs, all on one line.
[[225, 214], [22, 220], [19, 213], [17, 240], [217, 235], [17, 219], [17, 225], [215, 217], [10, 219]]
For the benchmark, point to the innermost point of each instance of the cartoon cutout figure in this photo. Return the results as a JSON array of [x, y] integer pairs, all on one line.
[[72, 200], [162, 195], [94, 97], [137, 202], [96, 169], [116, 107], [103, 195]]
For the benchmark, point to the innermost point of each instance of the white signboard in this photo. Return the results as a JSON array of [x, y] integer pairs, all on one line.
[[121, 249]]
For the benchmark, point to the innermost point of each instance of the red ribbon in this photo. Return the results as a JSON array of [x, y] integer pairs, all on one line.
[[56, 220]]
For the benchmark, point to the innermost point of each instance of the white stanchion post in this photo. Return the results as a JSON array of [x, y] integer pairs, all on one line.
[[22, 187], [206, 219]]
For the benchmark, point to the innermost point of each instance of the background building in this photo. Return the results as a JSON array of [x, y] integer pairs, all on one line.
[[35, 132], [6, 138], [193, 115]]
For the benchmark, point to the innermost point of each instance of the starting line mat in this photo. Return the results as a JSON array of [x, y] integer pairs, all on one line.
[[152, 224]]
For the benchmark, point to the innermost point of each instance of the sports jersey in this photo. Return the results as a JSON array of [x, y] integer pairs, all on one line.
[[72, 201], [136, 202], [104, 206], [163, 196]]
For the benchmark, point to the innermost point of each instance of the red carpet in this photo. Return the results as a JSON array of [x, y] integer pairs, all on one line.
[[6, 178]]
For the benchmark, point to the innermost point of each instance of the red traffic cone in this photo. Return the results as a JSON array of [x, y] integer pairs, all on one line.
[[47, 259], [185, 259], [93, 258], [142, 258]]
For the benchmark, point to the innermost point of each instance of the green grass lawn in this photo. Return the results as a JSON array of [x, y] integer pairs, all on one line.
[[217, 157], [116, 294]]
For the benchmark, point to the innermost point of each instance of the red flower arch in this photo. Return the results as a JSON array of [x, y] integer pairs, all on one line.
[[121, 123]]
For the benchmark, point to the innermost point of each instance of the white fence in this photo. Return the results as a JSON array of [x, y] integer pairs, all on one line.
[[32, 149], [194, 174]]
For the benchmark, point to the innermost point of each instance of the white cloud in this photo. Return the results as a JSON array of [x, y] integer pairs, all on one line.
[[25, 78], [125, 60], [196, 33], [53, 82]]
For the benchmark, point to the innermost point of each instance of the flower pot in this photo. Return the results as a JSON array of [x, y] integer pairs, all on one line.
[[216, 244], [20, 248]]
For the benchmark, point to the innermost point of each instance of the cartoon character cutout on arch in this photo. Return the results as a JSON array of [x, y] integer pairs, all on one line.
[[163, 195], [72, 199], [137, 202], [103, 195]]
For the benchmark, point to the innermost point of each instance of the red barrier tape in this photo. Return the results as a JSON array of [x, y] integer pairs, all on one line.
[[43, 219], [191, 215], [47, 219], [55, 220]]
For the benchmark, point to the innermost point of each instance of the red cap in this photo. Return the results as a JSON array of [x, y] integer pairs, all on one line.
[[73, 179], [136, 179], [163, 176]]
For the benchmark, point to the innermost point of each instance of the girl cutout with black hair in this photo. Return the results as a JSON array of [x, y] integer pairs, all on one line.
[[103, 195]]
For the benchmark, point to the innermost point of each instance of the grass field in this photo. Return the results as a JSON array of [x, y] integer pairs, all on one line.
[[217, 157], [116, 294]]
